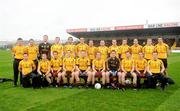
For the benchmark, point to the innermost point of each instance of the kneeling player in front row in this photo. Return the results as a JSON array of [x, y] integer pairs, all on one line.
[[113, 70], [128, 69], [156, 69], [98, 67], [68, 70], [83, 69], [27, 67], [44, 68], [56, 69]]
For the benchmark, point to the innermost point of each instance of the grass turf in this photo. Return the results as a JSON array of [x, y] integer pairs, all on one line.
[[56, 99]]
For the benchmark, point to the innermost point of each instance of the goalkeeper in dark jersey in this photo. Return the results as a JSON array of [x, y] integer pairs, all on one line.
[[113, 69], [45, 48]]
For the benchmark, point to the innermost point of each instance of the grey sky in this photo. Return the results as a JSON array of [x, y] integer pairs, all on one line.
[[34, 18]]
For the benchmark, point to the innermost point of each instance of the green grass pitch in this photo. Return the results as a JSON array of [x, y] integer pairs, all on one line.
[[59, 99]]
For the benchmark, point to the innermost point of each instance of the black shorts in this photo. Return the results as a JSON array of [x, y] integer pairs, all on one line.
[[82, 73], [30, 75], [68, 74], [164, 62], [113, 73], [148, 59], [128, 74]]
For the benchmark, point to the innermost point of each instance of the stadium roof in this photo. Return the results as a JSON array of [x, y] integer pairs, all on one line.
[[172, 28]]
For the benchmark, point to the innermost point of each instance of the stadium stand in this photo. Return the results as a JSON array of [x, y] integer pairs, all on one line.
[[170, 32]]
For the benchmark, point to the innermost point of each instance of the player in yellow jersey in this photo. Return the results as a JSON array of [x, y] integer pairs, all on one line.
[[27, 66], [91, 51], [103, 50], [70, 47], [33, 50], [57, 47], [44, 68], [81, 46], [83, 69], [141, 70], [68, 69], [127, 66], [156, 69], [163, 51], [114, 47], [123, 49], [56, 68], [98, 67], [135, 49], [17, 52], [148, 49]]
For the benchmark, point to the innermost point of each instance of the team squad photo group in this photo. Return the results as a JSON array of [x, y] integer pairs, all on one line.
[[87, 66]]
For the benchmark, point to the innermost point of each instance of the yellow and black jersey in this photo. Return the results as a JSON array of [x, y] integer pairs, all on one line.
[[155, 66], [45, 48], [26, 66], [58, 48], [70, 47], [127, 64], [32, 52], [83, 63], [99, 64], [135, 49], [56, 63], [104, 52], [115, 48], [113, 63], [69, 63], [44, 65], [140, 64], [148, 51], [19, 51], [122, 50], [162, 50], [91, 52], [81, 47]]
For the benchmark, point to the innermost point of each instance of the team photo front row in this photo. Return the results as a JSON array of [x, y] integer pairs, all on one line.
[[82, 72]]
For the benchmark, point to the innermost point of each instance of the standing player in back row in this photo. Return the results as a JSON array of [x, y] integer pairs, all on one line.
[[69, 46], [17, 52], [123, 49], [135, 49], [103, 49], [57, 46], [82, 46], [91, 51], [114, 47], [163, 51], [45, 47], [148, 49]]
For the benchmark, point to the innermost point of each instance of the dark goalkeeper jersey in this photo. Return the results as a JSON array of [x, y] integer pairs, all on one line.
[[113, 63], [45, 48]]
